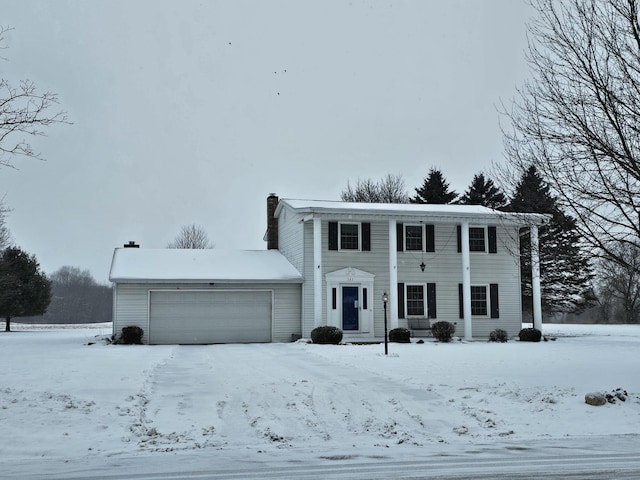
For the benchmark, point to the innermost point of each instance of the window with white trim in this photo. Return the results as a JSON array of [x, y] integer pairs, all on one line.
[[349, 235], [413, 238], [415, 300], [479, 301], [477, 239]]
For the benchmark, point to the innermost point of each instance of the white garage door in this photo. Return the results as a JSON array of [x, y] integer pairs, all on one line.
[[200, 317]]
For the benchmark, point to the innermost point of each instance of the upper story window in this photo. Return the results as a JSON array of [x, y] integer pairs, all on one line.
[[481, 239], [477, 239], [349, 236], [413, 238]]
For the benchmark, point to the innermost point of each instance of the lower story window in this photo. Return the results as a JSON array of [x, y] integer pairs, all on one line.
[[415, 300], [479, 300]]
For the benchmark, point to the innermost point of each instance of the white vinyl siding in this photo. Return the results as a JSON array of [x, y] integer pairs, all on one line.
[[290, 238], [375, 262], [443, 267]]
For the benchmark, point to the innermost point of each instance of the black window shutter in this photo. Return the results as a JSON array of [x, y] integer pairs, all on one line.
[[333, 235], [365, 299], [400, 237], [334, 298], [459, 240], [460, 303], [431, 300], [493, 296], [431, 241], [493, 241], [366, 237], [401, 300]]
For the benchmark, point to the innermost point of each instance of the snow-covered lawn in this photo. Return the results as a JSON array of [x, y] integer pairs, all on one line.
[[64, 397]]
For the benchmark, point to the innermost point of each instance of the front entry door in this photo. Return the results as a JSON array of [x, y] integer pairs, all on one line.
[[350, 308]]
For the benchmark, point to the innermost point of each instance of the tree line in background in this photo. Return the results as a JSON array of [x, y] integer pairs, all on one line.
[[76, 297], [69, 295]]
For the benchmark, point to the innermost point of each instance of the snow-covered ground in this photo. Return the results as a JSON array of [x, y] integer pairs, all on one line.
[[68, 399]]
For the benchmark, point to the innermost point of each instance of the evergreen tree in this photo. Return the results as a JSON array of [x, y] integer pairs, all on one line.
[[434, 190], [24, 289], [483, 192], [565, 271]]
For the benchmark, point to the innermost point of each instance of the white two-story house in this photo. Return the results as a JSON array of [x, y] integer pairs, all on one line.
[[333, 263], [456, 263]]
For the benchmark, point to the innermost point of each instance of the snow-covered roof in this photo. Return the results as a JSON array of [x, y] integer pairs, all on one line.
[[212, 265], [433, 211]]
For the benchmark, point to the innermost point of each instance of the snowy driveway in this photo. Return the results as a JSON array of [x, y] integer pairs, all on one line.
[[278, 395]]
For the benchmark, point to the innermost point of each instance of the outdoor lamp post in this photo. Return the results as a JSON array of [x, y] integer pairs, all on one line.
[[385, 299]]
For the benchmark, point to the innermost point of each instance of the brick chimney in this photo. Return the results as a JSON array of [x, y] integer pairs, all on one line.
[[272, 222]]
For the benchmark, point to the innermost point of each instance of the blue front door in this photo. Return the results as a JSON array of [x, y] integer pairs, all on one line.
[[350, 308]]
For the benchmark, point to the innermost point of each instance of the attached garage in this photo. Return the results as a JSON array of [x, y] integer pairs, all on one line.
[[206, 296], [200, 317]]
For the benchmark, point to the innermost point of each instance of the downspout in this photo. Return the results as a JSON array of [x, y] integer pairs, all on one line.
[[317, 272], [466, 280]]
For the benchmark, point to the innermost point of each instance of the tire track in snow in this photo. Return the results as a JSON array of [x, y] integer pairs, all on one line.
[[172, 411], [301, 403]]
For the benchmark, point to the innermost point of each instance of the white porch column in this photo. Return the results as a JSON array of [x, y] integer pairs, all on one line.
[[535, 278], [317, 272], [466, 281], [392, 311]]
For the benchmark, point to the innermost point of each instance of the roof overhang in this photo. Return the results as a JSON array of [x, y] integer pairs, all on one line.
[[408, 212]]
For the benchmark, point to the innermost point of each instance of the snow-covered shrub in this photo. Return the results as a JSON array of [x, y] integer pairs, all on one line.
[[498, 335], [326, 334], [443, 331], [530, 335], [131, 335], [400, 335]]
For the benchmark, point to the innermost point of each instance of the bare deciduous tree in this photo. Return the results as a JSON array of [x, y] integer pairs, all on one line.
[[390, 189], [24, 112], [576, 121], [192, 237], [620, 286], [5, 235]]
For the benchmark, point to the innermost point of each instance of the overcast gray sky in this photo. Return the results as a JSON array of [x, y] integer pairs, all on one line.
[[194, 111]]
